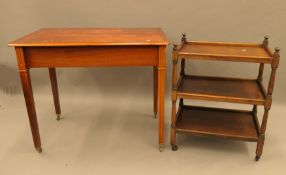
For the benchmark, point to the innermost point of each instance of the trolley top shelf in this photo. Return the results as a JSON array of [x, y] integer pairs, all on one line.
[[241, 52]]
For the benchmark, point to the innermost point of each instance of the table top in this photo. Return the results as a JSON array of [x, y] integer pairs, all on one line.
[[92, 37]]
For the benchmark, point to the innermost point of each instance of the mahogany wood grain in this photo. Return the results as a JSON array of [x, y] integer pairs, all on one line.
[[92, 37], [91, 56]]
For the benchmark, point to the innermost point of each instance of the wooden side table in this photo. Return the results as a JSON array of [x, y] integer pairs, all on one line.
[[91, 47], [226, 123]]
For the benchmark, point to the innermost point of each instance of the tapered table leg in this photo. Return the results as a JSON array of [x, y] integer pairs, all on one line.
[[30, 104], [29, 98], [155, 90], [54, 84], [161, 94]]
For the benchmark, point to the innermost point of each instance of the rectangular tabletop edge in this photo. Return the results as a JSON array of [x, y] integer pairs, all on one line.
[[26, 40], [85, 44]]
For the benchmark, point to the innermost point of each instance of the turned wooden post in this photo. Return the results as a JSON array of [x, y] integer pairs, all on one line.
[[175, 61], [254, 109], [174, 97], [184, 38], [183, 41], [268, 102], [274, 66], [261, 67], [183, 62], [260, 75], [182, 73]]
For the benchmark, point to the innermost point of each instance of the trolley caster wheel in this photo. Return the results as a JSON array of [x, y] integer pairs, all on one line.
[[161, 147], [174, 147], [58, 117], [257, 158], [39, 149]]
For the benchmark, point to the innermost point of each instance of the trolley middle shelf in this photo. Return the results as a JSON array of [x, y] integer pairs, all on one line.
[[236, 90]]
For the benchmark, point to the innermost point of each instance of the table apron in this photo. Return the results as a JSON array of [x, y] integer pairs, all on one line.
[[91, 56]]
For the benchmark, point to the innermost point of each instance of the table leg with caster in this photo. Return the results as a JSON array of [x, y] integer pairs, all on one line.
[[155, 91], [29, 98], [54, 85]]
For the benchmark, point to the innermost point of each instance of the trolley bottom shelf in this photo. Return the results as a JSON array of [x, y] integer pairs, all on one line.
[[226, 123]]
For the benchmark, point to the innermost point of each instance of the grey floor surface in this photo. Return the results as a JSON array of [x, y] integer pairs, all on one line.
[[103, 133]]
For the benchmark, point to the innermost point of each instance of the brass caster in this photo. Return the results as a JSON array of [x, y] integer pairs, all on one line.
[[257, 158], [161, 147], [155, 115], [174, 147], [39, 149], [58, 117]]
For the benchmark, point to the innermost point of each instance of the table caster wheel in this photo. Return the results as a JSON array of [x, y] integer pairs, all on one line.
[[58, 117], [257, 158], [161, 148], [174, 147], [155, 115], [39, 149]]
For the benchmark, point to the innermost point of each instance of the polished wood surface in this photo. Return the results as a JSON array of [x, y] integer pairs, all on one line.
[[93, 37], [91, 56], [222, 122], [226, 51], [221, 89], [91, 47], [233, 124]]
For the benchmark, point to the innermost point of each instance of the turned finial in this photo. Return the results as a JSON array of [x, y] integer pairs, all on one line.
[[175, 46], [184, 37], [277, 49], [276, 56], [265, 41], [276, 53]]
